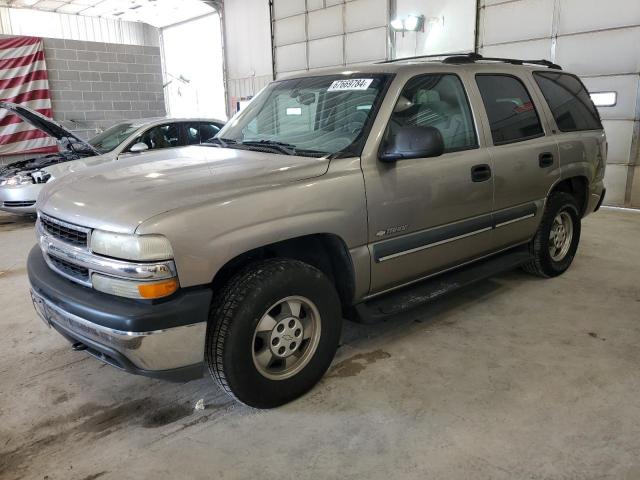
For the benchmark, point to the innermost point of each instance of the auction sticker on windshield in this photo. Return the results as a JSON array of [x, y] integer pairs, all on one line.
[[350, 84]]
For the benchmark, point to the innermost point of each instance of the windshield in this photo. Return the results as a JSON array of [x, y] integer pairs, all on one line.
[[314, 116], [112, 137]]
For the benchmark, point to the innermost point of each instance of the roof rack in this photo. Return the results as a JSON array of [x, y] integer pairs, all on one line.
[[474, 57], [458, 58], [418, 57]]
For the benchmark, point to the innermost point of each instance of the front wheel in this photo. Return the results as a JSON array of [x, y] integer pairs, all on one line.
[[556, 241], [273, 332]]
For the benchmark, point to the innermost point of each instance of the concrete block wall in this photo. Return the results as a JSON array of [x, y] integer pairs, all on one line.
[[94, 85]]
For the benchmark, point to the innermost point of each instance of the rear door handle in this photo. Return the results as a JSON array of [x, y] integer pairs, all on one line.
[[545, 159], [480, 173]]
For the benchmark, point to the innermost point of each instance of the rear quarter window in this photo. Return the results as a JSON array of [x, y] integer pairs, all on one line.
[[569, 101]]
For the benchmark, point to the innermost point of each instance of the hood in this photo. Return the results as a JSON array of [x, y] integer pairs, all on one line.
[[47, 125], [119, 196]]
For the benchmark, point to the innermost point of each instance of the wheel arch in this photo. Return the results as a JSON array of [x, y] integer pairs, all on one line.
[[577, 186], [327, 252]]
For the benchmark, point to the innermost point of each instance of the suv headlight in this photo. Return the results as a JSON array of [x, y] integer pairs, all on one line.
[[16, 180], [141, 248]]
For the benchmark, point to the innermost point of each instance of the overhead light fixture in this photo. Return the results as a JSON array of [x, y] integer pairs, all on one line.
[[397, 24], [604, 99], [410, 23]]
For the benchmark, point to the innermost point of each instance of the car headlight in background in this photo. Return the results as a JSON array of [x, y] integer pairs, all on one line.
[[16, 180], [142, 248]]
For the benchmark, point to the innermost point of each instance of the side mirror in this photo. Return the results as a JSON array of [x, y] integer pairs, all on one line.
[[139, 147], [413, 142]]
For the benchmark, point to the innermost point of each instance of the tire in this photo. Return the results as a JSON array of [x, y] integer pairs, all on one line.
[[544, 264], [257, 296]]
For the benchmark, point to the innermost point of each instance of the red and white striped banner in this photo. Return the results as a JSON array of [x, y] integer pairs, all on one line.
[[24, 80]]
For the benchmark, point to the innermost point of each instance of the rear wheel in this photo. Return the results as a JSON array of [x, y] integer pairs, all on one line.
[[556, 241], [273, 332]]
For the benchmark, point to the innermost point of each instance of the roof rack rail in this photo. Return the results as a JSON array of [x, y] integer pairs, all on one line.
[[474, 57], [418, 57]]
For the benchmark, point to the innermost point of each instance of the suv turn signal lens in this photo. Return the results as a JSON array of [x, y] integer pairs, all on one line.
[[158, 289]]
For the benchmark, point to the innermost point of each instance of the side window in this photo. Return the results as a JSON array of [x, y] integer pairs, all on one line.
[[569, 101], [512, 114], [162, 136], [191, 133], [208, 131], [439, 101]]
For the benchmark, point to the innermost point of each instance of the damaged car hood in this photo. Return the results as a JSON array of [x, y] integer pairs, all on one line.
[[118, 196]]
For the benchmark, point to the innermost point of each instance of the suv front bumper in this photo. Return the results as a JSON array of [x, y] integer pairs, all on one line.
[[162, 339]]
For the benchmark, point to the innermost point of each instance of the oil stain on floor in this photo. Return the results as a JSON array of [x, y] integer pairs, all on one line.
[[352, 366], [89, 422]]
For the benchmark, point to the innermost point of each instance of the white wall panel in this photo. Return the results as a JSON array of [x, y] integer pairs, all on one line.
[[635, 186], [626, 86], [247, 39], [588, 15], [326, 52], [600, 53], [366, 46], [330, 3], [285, 8], [364, 14], [615, 181], [531, 50], [291, 57], [315, 4], [490, 2], [326, 22], [619, 136], [520, 20], [290, 30], [17, 21]]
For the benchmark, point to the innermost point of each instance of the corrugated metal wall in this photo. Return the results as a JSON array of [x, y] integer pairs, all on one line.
[[16, 21], [312, 34], [598, 40]]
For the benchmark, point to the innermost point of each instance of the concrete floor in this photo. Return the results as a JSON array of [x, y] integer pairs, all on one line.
[[514, 378]]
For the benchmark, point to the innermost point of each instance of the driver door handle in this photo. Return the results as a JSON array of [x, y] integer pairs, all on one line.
[[480, 173]]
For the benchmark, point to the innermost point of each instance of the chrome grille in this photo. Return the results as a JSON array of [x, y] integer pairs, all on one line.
[[64, 231], [70, 269]]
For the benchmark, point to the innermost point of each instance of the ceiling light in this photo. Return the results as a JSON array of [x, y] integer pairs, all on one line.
[[397, 24], [604, 99], [411, 23]]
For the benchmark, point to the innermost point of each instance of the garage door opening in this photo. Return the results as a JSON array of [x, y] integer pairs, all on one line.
[[193, 68]]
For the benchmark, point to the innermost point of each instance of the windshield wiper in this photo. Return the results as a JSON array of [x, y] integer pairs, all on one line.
[[281, 146], [219, 142]]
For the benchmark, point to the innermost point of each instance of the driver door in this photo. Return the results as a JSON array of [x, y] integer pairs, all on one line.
[[429, 214]]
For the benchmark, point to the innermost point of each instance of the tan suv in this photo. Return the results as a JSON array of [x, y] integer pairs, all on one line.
[[341, 193]]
